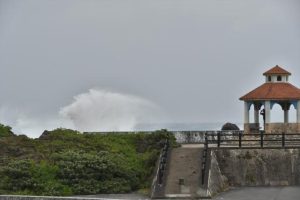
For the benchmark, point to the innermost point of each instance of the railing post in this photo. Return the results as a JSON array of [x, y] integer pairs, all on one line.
[[202, 177], [240, 139], [283, 139], [204, 157], [163, 161], [159, 176], [206, 141], [261, 139], [219, 139]]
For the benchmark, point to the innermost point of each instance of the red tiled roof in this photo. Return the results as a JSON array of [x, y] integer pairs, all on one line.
[[273, 91], [277, 70]]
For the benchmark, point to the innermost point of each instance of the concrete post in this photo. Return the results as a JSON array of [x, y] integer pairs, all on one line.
[[286, 115], [298, 112], [268, 111], [246, 113], [256, 116]]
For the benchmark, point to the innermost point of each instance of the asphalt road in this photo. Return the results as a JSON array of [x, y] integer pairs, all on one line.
[[242, 193], [118, 196], [261, 193]]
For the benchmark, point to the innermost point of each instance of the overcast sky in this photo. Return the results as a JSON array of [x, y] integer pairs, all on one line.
[[190, 59]]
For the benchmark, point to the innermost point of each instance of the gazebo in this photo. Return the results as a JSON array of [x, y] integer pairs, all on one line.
[[276, 90]]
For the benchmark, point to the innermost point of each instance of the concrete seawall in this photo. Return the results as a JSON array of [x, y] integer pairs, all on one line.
[[89, 197], [259, 167], [22, 197], [183, 137]]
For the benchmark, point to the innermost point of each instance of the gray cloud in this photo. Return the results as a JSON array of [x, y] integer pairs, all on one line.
[[192, 58]]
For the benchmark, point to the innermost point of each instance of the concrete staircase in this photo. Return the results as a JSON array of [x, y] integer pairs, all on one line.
[[184, 172]]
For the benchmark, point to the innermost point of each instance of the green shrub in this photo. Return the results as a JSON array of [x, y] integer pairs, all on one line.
[[5, 131], [28, 177], [66, 162]]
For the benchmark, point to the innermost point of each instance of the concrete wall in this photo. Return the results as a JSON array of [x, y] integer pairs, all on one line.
[[251, 128], [282, 127], [260, 167], [183, 137], [189, 136], [273, 128], [217, 182], [21, 197]]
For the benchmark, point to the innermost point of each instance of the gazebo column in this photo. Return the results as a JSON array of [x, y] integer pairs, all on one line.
[[246, 118], [285, 108], [268, 111], [286, 116], [256, 113], [298, 112], [267, 124], [246, 113], [256, 116]]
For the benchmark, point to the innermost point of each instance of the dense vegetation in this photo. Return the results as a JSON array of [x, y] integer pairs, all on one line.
[[67, 162], [5, 131]]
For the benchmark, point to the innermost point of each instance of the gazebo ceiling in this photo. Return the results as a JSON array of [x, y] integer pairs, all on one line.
[[273, 91]]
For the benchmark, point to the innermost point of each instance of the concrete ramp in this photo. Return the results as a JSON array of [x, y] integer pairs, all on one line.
[[184, 172]]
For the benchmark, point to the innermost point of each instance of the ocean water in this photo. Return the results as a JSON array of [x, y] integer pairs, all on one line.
[[182, 126]]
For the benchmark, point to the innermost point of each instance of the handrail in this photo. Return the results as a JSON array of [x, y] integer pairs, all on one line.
[[162, 163], [262, 139], [204, 160]]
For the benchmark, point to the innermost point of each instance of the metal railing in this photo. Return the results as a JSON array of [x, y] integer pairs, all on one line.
[[239, 140], [254, 140], [163, 162], [204, 160], [161, 169]]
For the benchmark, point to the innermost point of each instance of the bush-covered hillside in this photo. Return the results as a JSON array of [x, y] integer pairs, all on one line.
[[5, 131], [66, 162]]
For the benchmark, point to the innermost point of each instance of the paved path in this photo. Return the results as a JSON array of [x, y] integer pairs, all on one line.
[[117, 196], [261, 193], [243, 193], [185, 164]]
